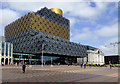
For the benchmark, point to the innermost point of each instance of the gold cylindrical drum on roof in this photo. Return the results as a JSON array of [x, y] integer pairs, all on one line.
[[57, 10]]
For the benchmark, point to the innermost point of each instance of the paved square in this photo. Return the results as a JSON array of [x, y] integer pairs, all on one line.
[[62, 73]]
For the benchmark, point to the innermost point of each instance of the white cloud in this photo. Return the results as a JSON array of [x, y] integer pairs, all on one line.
[[84, 10], [1, 31], [79, 35], [108, 31], [112, 40], [104, 34], [106, 50], [34, 6], [80, 9], [46, 0], [72, 22], [26, 6], [59, 0], [7, 16], [105, 0], [75, 9], [109, 49]]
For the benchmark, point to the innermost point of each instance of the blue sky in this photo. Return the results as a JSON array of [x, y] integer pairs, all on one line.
[[91, 23]]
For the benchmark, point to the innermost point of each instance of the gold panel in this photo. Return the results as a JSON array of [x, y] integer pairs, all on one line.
[[32, 21], [18, 26], [51, 27]]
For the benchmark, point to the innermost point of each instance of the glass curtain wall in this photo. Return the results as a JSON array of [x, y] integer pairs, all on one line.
[[47, 60]]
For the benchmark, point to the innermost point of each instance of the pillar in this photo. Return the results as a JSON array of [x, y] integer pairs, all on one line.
[[0, 60], [11, 62]]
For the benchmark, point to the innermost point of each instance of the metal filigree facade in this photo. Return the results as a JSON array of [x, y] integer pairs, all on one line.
[[44, 27], [40, 23], [31, 41]]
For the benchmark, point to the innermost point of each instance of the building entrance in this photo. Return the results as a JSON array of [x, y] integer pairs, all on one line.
[[6, 61]]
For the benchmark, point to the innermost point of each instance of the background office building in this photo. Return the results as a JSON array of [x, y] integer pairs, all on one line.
[[44, 31], [6, 52], [112, 59]]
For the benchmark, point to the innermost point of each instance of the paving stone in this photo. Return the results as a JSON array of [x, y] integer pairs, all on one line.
[[59, 74]]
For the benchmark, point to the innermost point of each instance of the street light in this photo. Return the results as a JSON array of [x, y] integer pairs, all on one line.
[[19, 60], [51, 62], [30, 60], [42, 53]]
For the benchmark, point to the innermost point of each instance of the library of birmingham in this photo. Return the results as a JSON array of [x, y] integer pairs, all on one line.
[[41, 36]]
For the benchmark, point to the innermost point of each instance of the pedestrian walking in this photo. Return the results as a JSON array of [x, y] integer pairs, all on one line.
[[81, 65], [90, 65], [16, 64], [44, 63], [58, 63], [2, 63], [23, 67], [110, 66], [84, 65]]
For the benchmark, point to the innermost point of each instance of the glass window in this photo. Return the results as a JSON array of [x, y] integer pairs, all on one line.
[[6, 49], [3, 48], [10, 50]]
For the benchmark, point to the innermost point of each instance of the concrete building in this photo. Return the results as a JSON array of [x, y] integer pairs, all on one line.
[[6, 52], [94, 56], [113, 59]]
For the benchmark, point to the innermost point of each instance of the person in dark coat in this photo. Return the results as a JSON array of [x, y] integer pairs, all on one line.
[[110, 66], [84, 65], [23, 67], [90, 65], [81, 65]]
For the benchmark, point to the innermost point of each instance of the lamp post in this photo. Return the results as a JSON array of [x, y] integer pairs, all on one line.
[[19, 60], [42, 53], [30, 60], [51, 62]]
